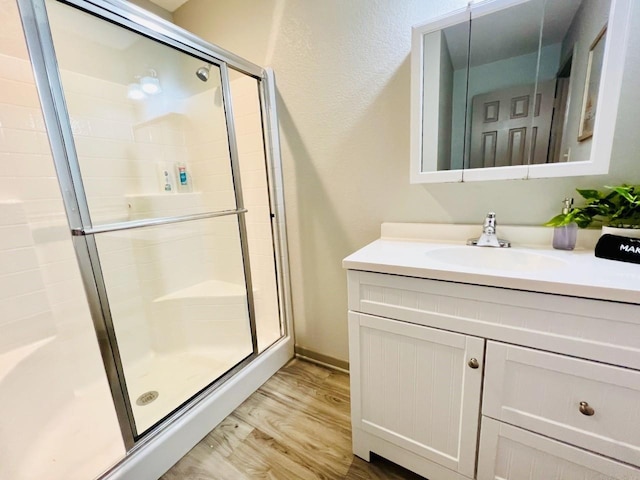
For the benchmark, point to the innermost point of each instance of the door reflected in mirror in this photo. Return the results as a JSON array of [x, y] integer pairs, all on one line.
[[509, 114], [512, 83]]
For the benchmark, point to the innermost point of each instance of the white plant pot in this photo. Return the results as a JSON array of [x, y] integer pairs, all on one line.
[[622, 232]]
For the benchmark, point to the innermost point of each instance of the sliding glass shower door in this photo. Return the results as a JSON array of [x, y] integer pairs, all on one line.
[[178, 302], [160, 224]]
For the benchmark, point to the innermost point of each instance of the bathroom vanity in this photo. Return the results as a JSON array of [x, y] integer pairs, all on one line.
[[518, 364]]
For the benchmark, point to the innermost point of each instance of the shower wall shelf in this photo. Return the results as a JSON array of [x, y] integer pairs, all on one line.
[[208, 289], [212, 309], [152, 205], [161, 195], [138, 200]]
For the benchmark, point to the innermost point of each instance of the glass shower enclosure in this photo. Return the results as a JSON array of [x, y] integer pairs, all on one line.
[[162, 150]]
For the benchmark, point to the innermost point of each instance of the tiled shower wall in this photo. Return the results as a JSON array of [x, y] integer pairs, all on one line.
[[143, 265], [121, 146], [209, 159], [120, 149]]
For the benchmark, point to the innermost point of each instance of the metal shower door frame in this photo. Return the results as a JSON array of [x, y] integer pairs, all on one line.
[[41, 50]]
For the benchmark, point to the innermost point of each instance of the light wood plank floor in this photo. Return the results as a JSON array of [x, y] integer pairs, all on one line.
[[296, 426]]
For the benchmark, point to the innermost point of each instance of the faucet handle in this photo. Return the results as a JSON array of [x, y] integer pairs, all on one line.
[[489, 237], [489, 223]]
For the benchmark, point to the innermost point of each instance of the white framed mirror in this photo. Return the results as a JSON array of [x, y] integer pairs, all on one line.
[[516, 89]]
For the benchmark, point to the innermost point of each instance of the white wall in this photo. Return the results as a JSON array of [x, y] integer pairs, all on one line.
[[436, 103], [343, 81], [438, 92]]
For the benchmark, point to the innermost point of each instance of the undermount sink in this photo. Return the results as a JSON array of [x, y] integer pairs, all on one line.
[[495, 258]]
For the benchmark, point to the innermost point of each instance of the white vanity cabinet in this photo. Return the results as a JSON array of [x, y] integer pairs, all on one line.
[[418, 388], [512, 453], [458, 381]]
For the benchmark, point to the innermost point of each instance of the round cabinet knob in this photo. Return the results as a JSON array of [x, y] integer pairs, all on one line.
[[586, 409], [474, 363]]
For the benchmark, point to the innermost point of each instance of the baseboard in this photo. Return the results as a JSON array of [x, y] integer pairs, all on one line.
[[322, 359]]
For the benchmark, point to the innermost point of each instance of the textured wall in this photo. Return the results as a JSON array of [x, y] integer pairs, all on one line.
[[343, 81]]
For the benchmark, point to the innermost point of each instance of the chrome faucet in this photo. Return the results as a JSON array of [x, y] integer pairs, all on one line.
[[489, 237]]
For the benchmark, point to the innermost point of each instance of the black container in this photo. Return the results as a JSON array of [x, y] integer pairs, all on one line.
[[622, 249]]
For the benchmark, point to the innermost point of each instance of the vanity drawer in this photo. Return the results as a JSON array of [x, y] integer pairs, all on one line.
[[543, 392], [511, 453], [599, 330]]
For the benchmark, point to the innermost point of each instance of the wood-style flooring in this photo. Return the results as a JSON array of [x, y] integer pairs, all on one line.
[[296, 426]]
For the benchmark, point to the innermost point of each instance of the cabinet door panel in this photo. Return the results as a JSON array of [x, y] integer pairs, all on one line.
[[412, 386], [542, 392], [510, 453]]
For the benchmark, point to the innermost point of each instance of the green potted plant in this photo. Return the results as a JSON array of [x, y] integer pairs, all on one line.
[[617, 210]]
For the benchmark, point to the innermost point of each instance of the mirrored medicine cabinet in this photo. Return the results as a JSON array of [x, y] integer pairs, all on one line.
[[516, 89]]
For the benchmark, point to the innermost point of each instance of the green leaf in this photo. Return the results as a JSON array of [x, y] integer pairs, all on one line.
[[558, 221], [625, 192], [589, 194], [583, 219]]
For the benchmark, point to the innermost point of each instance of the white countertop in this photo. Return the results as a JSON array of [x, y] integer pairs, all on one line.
[[428, 251]]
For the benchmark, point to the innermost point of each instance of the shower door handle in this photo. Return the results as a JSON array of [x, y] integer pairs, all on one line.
[[152, 222]]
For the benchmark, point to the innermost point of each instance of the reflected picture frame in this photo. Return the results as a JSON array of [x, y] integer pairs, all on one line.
[[592, 86]]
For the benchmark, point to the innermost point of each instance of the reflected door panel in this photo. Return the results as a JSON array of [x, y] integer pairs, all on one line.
[[502, 85], [507, 126]]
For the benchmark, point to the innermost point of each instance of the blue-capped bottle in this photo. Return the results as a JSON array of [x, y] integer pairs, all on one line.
[[183, 178]]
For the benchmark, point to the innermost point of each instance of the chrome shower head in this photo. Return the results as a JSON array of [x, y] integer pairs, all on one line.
[[203, 73]]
